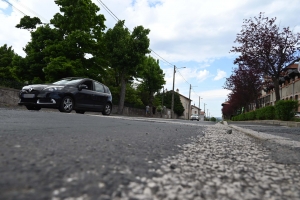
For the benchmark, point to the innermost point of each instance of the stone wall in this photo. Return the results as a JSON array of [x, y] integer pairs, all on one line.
[[10, 97]]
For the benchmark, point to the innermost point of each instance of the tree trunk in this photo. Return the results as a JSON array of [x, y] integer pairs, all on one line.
[[151, 103], [122, 95], [276, 87]]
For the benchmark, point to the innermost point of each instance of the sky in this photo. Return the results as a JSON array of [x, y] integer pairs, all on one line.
[[196, 36]]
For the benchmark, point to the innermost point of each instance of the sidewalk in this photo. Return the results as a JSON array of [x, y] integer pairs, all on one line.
[[275, 122], [281, 138]]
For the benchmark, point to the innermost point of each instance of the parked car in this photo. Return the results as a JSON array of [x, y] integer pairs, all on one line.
[[297, 114], [195, 117], [72, 93]]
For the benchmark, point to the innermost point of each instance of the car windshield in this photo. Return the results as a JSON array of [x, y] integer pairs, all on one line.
[[70, 81]]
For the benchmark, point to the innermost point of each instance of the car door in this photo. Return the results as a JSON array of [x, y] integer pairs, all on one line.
[[84, 97], [100, 96]]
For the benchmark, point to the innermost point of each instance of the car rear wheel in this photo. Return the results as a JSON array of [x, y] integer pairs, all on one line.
[[66, 105], [80, 111], [33, 108], [107, 109]]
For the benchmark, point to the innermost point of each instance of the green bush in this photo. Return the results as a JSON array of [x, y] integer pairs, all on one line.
[[250, 115], [267, 112], [213, 119], [284, 110]]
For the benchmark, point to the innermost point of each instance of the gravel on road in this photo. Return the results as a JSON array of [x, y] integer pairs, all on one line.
[[219, 166]]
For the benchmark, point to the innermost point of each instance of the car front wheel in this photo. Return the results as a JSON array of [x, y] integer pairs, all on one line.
[[107, 109], [66, 105]]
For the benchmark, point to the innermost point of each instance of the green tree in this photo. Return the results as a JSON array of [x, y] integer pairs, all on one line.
[[266, 49], [178, 107], [6, 58], [213, 119], [126, 52], [152, 79], [74, 46]]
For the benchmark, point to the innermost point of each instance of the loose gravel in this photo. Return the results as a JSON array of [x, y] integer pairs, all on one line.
[[218, 166]]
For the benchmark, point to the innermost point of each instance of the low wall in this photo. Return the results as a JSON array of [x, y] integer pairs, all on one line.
[[10, 97]]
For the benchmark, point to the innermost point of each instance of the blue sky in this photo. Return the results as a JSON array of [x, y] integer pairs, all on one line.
[[195, 34]]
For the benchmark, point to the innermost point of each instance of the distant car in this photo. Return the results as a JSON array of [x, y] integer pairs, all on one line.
[[195, 117], [72, 93], [297, 114]]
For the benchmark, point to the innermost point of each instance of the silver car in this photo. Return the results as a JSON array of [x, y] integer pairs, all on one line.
[[195, 117]]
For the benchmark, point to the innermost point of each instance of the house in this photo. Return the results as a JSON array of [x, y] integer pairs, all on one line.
[[186, 103], [289, 87], [202, 116], [195, 110]]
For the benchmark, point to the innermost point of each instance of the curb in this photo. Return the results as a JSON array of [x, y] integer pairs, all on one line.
[[275, 122], [266, 137]]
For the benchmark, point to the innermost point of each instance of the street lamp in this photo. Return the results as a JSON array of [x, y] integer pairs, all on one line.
[[190, 101], [172, 105]]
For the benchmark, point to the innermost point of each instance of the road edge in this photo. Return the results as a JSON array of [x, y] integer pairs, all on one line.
[[266, 137]]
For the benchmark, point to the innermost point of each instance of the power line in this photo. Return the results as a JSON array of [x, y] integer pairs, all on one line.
[[117, 19], [33, 12], [14, 7]]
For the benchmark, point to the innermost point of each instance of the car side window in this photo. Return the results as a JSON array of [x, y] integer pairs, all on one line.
[[89, 84], [99, 87], [107, 90]]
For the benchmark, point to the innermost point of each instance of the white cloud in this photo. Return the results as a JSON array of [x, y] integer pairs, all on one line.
[[221, 74], [3, 5]]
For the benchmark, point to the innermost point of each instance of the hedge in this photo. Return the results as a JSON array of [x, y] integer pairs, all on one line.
[[283, 110]]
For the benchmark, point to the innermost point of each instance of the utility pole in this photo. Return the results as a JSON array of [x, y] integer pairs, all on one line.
[[189, 102], [172, 105], [204, 111], [199, 105], [207, 114]]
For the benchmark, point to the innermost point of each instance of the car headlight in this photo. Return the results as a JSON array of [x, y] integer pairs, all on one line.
[[51, 89]]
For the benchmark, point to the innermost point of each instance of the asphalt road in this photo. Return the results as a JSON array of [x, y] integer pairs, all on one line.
[[52, 155]]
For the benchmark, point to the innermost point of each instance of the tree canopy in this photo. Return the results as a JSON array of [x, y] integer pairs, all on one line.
[[126, 52], [6, 58], [245, 86], [74, 47], [266, 48], [152, 79]]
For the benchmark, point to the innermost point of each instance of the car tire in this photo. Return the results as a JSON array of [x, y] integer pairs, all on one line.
[[33, 108], [66, 105], [80, 111], [107, 109]]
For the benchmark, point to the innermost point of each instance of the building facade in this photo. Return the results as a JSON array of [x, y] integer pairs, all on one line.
[[289, 89]]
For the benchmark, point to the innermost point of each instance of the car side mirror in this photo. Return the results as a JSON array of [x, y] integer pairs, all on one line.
[[82, 86]]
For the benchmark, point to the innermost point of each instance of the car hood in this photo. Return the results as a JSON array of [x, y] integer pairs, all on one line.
[[39, 86]]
